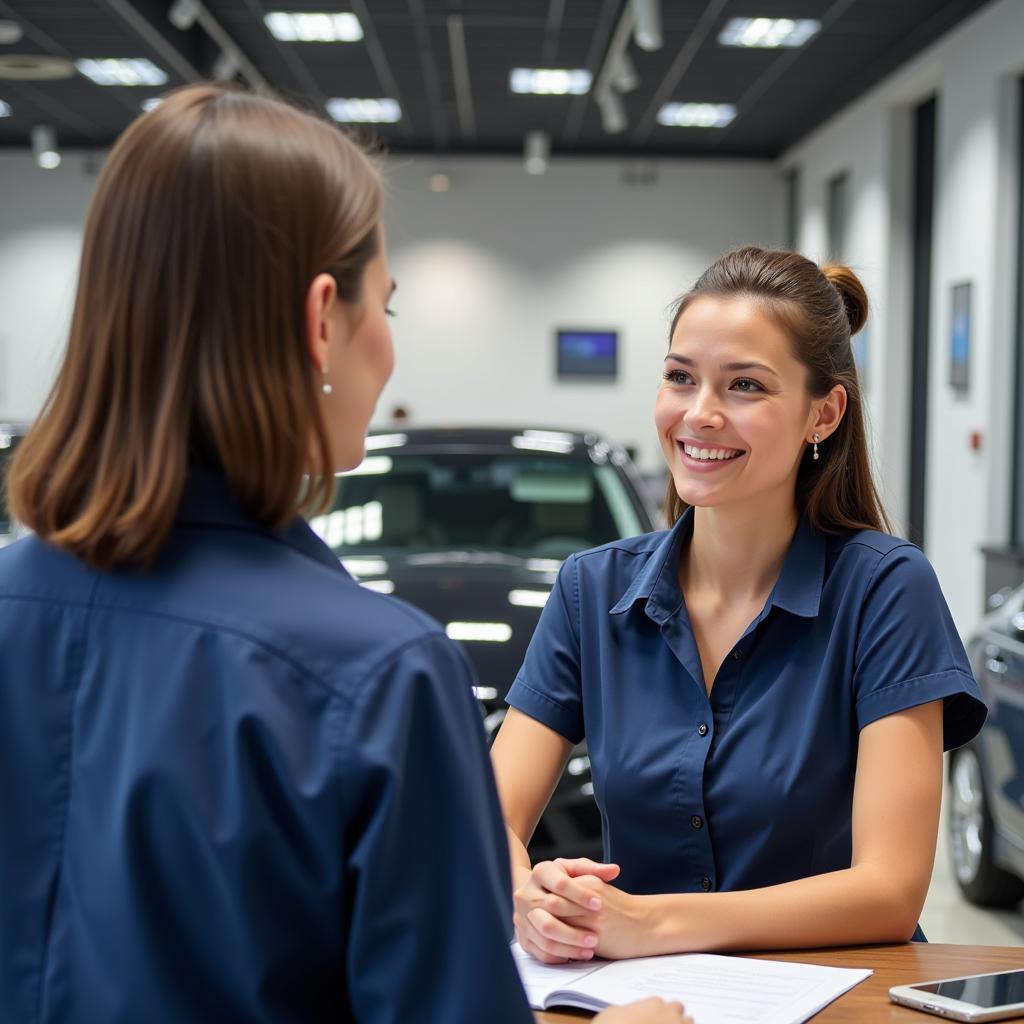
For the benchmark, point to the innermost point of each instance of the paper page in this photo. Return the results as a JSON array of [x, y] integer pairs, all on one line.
[[540, 980], [723, 989]]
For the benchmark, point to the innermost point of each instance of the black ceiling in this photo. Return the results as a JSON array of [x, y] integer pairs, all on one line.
[[411, 51]]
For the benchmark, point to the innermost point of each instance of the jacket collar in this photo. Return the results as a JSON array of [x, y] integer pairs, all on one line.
[[207, 501], [797, 590]]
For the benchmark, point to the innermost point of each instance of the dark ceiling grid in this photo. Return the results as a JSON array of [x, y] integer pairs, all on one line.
[[604, 26], [306, 85], [389, 87], [428, 68], [757, 91], [665, 92], [549, 55], [412, 51]]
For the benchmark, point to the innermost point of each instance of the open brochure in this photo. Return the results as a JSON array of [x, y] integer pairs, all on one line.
[[715, 989]]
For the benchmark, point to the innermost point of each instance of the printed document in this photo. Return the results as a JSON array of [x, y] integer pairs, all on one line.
[[715, 989]]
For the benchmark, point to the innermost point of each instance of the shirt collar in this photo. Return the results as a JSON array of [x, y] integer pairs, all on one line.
[[207, 501], [797, 590]]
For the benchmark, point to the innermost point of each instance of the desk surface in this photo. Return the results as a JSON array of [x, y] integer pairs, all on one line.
[[893, 965]]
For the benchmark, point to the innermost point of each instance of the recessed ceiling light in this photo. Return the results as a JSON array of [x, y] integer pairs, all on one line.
[[10, 32], [550, 81], [121, 71], [312, 27], [151, 104], [364, 111], [768, 32], [5, 109], [696, 115]]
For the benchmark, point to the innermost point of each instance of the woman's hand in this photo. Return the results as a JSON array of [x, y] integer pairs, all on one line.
[[623, 924], [556, 890], [650, 1011]]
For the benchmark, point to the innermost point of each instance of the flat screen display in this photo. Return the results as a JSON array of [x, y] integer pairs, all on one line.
[[986, 990], [588, 354]]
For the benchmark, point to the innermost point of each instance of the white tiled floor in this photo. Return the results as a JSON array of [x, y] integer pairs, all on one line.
[[948, 917]]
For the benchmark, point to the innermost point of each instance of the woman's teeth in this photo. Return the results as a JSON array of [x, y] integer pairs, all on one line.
[[710, 453]]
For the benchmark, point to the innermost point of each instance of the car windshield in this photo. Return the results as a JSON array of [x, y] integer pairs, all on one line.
[[529, 505]]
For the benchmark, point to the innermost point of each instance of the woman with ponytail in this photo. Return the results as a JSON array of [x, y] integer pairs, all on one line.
[[766, 688]]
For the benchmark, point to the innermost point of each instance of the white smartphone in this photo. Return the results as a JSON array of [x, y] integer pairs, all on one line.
[[973, 997]]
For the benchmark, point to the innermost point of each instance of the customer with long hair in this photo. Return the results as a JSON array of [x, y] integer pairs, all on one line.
[[234, 785], [766, 688]]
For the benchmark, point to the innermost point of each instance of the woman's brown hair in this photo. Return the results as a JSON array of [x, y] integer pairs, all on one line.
[[212, 216], [819, 309]]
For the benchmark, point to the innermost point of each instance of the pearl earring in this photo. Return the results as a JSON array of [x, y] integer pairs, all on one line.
[[817, 438], [327, 389]]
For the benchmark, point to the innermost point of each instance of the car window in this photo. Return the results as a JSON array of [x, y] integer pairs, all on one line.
[[530, 505]]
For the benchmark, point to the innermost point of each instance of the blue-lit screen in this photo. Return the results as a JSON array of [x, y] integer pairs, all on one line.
[[587, 353]]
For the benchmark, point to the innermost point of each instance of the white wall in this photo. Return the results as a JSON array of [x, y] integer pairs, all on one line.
[[972, 71], [41, 218], [488, 270]]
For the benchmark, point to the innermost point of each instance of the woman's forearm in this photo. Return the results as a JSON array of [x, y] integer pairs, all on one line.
[[519, 857], [851, 907]]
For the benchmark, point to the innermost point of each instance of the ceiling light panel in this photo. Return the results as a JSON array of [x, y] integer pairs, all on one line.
[[696, 115], [5, 109], [121, 71], [314, 27], [364, 111], [768, 33], [549, 81]]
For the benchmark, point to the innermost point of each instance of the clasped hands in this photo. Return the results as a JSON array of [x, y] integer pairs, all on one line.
[[568, 910]]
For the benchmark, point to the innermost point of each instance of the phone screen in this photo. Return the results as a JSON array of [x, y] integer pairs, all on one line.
[[987, 990]]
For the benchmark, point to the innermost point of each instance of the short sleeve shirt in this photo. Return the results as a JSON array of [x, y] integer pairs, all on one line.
[[751, 785]]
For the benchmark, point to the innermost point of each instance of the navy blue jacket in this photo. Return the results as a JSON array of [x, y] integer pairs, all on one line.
[[239, 787]]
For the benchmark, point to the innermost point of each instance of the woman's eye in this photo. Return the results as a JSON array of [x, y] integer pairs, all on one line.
[[388, 311], [747, 385], [677, 376]]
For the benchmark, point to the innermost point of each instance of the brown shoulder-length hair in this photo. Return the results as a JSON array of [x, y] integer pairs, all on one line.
[[212, 216], [819, 308]]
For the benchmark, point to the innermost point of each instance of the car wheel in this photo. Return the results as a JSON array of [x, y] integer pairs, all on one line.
[[970, 837]]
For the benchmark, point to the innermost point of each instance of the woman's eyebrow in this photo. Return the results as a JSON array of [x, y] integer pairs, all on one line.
[[686, 361]]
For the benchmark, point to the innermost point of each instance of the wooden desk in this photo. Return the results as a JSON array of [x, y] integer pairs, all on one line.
[[893, 965]]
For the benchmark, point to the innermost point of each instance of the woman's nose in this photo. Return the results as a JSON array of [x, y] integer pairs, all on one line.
[[704, 409]]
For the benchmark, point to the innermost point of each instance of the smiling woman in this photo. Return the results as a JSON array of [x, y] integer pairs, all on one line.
[[767, 687]]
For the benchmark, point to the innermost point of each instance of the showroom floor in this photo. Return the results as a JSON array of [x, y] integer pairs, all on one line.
[[948, 917]]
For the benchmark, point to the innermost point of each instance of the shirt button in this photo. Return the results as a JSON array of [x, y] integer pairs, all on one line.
[[705, 884], [696, 821], [702, 729]]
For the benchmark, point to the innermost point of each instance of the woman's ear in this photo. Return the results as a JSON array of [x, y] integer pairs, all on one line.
[[320, 300], [830, 412]]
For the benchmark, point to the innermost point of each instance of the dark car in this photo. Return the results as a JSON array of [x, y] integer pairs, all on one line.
[[986, 777], [10, 436], [472, 525]]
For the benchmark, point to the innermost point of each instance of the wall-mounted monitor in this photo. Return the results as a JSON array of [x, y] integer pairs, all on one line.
[[587, 355]]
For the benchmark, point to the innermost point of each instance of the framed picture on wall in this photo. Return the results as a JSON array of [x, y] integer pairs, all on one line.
[[587, 354], [960, 338]]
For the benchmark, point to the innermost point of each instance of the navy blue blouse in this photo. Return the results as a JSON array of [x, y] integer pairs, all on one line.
[[240, 787], [752, 785]]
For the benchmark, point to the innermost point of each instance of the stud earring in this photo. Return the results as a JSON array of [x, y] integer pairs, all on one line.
[[817, 438], [327, 389]]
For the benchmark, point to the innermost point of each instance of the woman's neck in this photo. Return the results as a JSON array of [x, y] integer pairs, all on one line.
[[737, 552]]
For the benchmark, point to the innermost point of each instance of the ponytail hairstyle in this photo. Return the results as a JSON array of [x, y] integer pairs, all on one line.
[[819, 309], [212, 217]]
